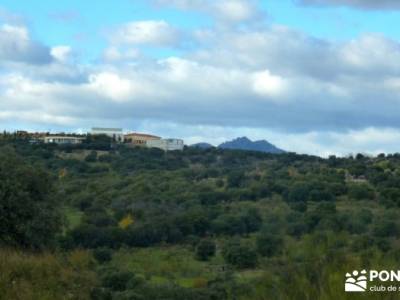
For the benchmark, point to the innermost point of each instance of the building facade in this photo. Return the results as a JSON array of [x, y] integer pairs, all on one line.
[[62, 140], [139, 139], [166, 144], [116, 134]]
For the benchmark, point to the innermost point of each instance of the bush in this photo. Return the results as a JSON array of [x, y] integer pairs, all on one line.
[[235, 179], [117, 280], [386, 228], [91, 157], [299, 192], [299, 206], [102, 255], [361, 192], [30, 213], [269, 244], [205, 249], [240, 255]]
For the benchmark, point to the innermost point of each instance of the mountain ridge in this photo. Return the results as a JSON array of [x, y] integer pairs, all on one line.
[[244, 143], [202, 145]]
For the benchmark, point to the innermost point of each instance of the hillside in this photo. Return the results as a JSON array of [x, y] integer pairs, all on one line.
[[125, 223]]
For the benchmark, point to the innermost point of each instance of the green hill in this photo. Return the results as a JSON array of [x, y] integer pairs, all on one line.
[[122, 223]]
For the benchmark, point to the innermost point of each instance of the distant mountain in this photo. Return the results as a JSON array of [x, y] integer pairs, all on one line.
[[202, 145], [243, 143]]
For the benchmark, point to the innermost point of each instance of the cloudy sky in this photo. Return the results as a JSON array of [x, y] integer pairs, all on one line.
[[311, 76]]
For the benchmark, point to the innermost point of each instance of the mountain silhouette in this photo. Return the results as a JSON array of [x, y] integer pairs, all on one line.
[[243, 143], [202, 145]]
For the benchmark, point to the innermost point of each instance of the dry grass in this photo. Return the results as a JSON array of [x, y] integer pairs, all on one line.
[[45, 276]]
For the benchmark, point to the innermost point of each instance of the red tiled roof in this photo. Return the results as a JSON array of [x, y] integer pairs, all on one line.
[[142, 135]]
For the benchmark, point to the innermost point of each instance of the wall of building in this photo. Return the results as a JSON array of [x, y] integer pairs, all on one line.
[[166, 144], [62, 140], [139, 140]]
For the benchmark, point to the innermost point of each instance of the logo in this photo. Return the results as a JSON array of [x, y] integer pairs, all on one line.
[[373, 281], [356, 281]]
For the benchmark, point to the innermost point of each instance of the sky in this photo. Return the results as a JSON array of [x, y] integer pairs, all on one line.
[[310, 76]]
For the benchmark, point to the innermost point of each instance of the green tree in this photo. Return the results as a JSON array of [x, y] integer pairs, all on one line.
[[205, 249], [102, 255], [91, 157], [298, 193], [252, 219], [269, 244], [29, 210], [239, 254], [361, 192], [386, 228], [117, 280], [235, 178]]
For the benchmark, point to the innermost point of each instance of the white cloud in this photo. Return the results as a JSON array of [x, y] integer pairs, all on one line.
[[16, 45], [114, 54], [61, 53], [231, 11], [154, 33], [112, 86], [302, 93], [369, 52], [363, 4], [183, 4], [266, 84], [232, 83], [38, 117], [235, 10], [19, 33]]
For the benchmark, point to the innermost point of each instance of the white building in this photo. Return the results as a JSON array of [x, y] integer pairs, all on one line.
[[116, 134], [166, 144], [71, 140]]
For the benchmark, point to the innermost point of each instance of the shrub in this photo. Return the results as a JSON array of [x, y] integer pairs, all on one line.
[[269, 244], [240, 255], [102, 255], [205, 249], [361, 192], [30, 213], [117, 280], [91, 157]]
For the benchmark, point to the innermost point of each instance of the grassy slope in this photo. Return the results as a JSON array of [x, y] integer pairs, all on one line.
[[45, 276]]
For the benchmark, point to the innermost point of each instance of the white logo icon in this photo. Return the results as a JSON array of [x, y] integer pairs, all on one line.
[[356, 282]]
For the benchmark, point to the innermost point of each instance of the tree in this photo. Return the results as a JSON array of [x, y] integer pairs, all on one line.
[[235, 178], [29, 210], [102, 255], [361, 192], [298, 193], [91, 157], [252, 219], [229, 224], [269, 244], [386, 228], [205, 249], [117, 280], [365, 216], [240, 255], [299, 206], [97, 142]]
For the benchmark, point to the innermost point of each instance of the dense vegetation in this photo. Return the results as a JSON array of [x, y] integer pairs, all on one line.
[[101, 221]]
